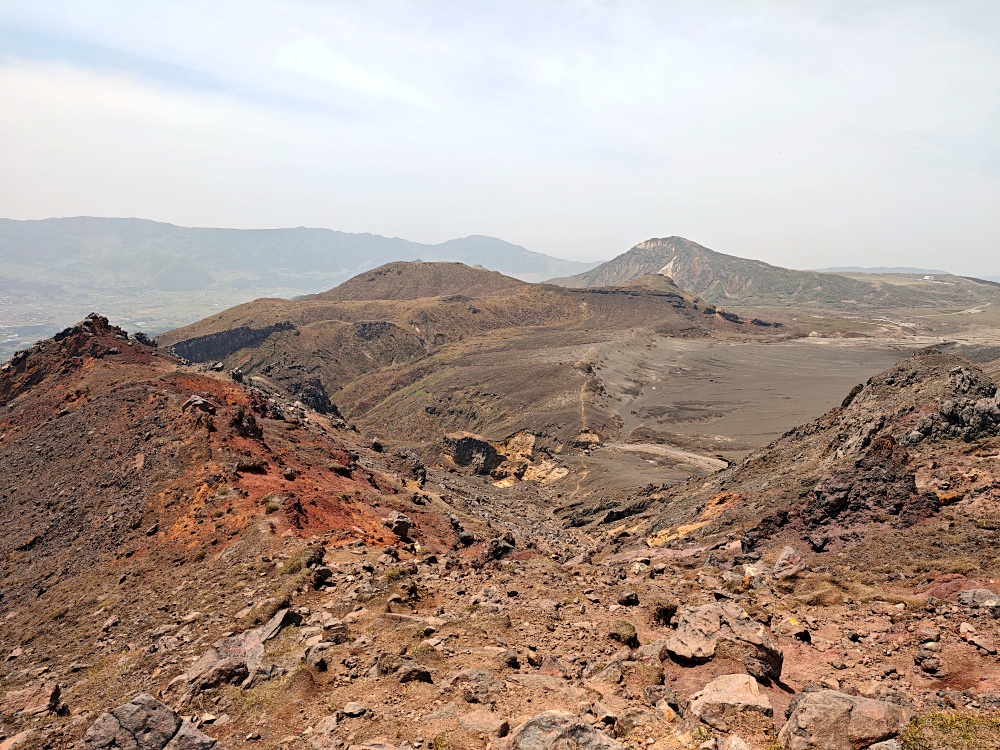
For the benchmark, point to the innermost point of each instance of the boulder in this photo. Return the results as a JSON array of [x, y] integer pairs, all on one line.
[[354, 709], [399, 524], [410, 671], [634, 721], [144, 724], [555, 730], [628, 598], [722, 700], [17, 740], [724, 629], [981, 598], [789, 563], [197, 403], [477, 686], [484, 722], [189, 737], [829, 720], [34, 700]]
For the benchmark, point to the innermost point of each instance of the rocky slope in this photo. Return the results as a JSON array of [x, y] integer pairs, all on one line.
[[191, 561], [728, 279]]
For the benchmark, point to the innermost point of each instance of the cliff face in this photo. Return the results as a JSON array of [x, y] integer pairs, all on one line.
[[217, 346]]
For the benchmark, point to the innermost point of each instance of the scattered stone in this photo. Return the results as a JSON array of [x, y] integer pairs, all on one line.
[[635, 721], [447, 711], [828, 720], [354, 709], [628, 598], [476, 686], [979, 598], [413, 672], [887, 745], [197, 403], [722, 700], [624, 632], [399, 524]]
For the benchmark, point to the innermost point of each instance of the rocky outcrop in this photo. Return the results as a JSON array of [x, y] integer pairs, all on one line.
[[879, 486], [236, 659], [145, 724], [725, 629], [972, 411], [474, 453], [880, 481], [829, 720]]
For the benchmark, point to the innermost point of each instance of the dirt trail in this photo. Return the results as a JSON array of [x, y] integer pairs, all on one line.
[[704, 462]]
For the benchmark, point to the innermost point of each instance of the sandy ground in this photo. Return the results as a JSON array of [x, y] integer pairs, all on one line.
[[727, 398]]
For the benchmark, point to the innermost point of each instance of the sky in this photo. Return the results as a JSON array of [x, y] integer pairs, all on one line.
[[804, 133]]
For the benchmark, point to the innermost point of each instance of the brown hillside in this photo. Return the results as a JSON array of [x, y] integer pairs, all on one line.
[[416, 280], [393, 361]]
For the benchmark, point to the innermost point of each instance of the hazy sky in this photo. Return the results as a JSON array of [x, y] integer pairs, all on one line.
[[802, 133]]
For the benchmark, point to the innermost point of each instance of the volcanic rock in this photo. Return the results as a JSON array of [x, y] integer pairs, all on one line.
[[144, 724], [828, 720], [703, 631], [237, 658], [554, 730], [33, 700], [788, 564], [399, 524], [722, 700]]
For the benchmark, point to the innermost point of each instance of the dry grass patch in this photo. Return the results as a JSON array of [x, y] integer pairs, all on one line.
[[952, 730]]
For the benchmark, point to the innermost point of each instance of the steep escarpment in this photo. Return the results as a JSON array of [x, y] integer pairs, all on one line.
[[220, 345]]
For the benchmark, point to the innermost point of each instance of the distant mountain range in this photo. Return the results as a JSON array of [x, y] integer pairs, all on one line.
[[151, 276], [163, 257], [727, 279]]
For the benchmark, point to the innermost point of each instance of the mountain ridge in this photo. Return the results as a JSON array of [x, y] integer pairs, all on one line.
[[733, 280], [316, 250]]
